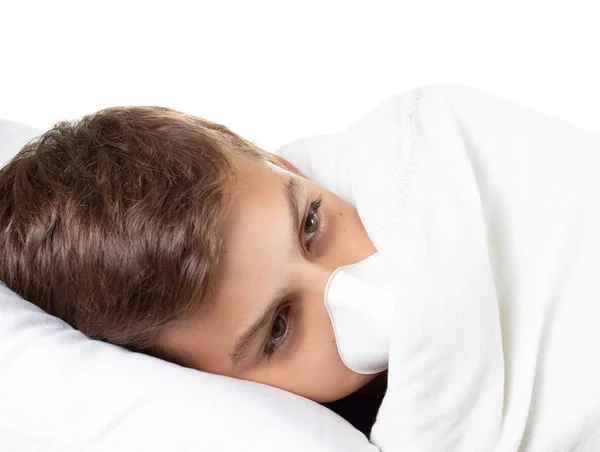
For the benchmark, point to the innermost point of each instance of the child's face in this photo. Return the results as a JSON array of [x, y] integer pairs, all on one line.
[[266, 320]]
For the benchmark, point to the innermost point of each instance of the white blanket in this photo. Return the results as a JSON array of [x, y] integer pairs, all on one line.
[[488, 212]]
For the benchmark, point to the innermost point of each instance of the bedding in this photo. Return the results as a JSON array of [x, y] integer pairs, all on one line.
[[488, 213]]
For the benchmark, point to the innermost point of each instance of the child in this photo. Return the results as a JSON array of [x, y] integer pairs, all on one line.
[[171, 235]]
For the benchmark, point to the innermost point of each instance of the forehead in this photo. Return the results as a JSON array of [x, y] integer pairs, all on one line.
[[257, 222], [257, 245]]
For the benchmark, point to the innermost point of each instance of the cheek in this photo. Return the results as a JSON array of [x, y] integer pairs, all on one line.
[[312, 366], [347, 239], [313, 372], [322, 377]]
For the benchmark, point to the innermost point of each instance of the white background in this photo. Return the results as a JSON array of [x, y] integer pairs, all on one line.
[[274, 71]]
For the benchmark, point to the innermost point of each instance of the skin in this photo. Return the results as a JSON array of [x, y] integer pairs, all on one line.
[[262, 260]]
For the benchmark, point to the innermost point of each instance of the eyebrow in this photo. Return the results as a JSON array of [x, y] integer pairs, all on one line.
[[293, 190]]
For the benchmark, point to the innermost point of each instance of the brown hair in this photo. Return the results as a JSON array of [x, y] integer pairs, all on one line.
[[111, 223]]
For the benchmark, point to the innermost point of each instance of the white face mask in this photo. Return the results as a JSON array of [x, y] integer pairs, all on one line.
[[359, 300]]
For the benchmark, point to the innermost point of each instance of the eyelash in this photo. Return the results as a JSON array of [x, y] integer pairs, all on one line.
[[272, 347]]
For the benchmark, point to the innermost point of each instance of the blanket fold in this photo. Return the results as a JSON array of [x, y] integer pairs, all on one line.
[[488, 212]]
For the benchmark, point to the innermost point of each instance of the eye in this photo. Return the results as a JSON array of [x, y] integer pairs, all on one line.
[[278, 333], [311, 224], [279, 328]]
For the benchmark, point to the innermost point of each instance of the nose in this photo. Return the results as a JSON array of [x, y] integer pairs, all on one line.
[[318, 271], [316, 276]]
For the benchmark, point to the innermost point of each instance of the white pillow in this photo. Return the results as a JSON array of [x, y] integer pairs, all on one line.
[[60, 391], [13, 136]]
